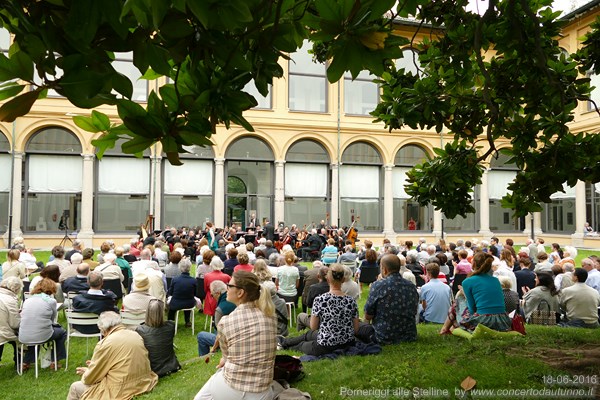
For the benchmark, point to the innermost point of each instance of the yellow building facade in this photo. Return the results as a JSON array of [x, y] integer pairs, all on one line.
[[315, 155]]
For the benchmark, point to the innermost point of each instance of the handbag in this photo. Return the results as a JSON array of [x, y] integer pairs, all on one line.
[[518, 322], [541, 316]]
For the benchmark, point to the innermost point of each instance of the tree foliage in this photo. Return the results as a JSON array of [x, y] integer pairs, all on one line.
[[482, 77]]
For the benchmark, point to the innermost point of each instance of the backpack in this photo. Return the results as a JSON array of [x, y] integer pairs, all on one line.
[[287, 368]]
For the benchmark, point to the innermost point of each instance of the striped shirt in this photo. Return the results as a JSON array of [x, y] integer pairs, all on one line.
[[248, 340]]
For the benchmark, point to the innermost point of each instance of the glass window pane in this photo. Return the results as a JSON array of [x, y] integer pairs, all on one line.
[[458, 223], [306, 180], [367, 213], [4, 40], [112, 180], [54, 173], [302, 210], [4, 145], [120, 212], [501, 219], [256, 176], [45, 211], [307, 150], [359, 181], [5, 167], [595, 95], [307, 93], [249, 148], [405, 210], [360, 97], [140, 86], [55, 140], [187, 210], [194, 178], [410, 155], [196, 151], [409, 61], [302, 62], [3, 211], [264, 102], [559, 217], [361, 153]]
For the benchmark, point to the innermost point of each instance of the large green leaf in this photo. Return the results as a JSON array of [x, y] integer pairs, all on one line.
[[100, 120], [18, 106], [10, 90], [23, 65], [85, 123], [128, 108], [137, 145]]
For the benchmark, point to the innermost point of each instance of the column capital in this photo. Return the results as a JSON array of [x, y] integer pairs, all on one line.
[[389, 167], [18, 154], [219, 161], [279, 163], [156, 158], [334, 165], [88, 157]]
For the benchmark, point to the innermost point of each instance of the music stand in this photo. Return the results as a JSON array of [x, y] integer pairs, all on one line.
[[64, 221]]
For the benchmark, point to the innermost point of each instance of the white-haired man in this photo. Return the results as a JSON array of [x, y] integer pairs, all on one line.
[[118, 357]]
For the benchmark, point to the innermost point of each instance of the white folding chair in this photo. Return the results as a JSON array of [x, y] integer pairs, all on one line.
[[131, 319], [80, 318], [36, 350], [210, 325], [191, 310], [291, 305]]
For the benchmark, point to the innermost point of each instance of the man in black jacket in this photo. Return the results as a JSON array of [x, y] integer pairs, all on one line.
[[79, 282], [96, 300]]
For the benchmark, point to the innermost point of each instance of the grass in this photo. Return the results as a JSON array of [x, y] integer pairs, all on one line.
[[433, 363]]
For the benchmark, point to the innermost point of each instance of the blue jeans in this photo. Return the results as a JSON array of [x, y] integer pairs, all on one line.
[[205, 341]]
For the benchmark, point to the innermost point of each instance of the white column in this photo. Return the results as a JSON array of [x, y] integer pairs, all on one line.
[[335, 194], [156, 190], [484, 207], [580, 213], [279, 211], [527, 230], [219, 193], [537, 224], [437, 224], [388, 201], [86, 233], [16, 196]]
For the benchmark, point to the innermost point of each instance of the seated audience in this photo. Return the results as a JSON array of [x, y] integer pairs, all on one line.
[[71, 270], [333, 321], [435, 297], [580, 303], [182, 292], [281, 310], [95, 300], [119, 368], [12, 266], [206, 340], [288, 279], [10, 319], [243, 262], [543, 292], [37, 322], [216, 274], [158, 336], [511, 299], [78, 282], [51, 272], [248, 339], [137, 301]]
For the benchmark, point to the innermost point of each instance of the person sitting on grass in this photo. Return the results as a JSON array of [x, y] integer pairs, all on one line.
[[158, 336], [206, 340], [544, 291], [435, 297], [580, 303], [333, 322], [119, 368], [391, 307], [303, 319], [484, 297], [248, 340]]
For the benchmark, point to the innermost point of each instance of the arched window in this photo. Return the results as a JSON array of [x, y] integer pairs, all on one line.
[[501, 174], [360, 187], [408, 214], [122, 191], [188, 188], [307, 82], [5, 166], [307, 183], [53, 171], [249, 160]]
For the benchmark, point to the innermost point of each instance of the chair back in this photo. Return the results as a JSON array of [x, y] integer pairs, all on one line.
[[351, 265], [80, 318], [328, 256], [132, 319], [368, 275], [114, 285]]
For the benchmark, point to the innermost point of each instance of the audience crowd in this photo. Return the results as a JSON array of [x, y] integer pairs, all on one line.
[[248, 284]]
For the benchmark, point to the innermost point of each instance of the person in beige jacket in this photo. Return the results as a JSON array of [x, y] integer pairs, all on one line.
[[119, 368], [10, 318]]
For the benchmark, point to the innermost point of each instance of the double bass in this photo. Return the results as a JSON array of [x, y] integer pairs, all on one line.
[[352, 234]]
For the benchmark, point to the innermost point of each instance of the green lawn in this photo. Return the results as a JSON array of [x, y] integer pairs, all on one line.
[[435, 363]]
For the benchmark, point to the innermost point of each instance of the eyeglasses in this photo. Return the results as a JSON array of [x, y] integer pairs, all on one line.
[[230, 286]]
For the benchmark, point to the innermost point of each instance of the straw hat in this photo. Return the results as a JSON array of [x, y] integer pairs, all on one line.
[[141, 282]]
